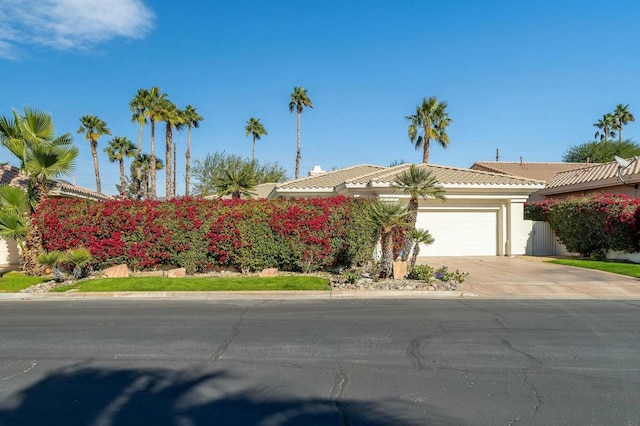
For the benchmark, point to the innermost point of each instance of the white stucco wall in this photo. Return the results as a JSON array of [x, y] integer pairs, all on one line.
[[520, 228], [9, 253]]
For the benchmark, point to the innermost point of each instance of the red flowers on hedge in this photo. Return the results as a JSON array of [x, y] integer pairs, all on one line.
[[203, 234]]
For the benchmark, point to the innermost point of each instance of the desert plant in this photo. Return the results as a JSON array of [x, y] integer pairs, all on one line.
[[350, 276], [50, 258], [422, 273], [79, 259]]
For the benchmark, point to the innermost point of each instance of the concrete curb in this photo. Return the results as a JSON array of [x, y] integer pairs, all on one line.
[[240, 295]]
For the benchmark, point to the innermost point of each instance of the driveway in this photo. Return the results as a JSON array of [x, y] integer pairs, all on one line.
[[531, 277]]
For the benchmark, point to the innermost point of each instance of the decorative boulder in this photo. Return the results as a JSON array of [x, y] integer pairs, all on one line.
[[269, 272], [118, 271], [399, 270], [176, 273]]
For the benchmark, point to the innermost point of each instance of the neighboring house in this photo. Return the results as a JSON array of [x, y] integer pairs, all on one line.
[[10, 175], [539, 171], [261, 191], [483, 214]]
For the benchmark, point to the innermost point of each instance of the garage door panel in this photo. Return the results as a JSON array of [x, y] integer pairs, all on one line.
[[460, 233]]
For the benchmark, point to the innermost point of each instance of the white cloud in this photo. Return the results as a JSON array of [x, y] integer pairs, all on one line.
[[69, 24]]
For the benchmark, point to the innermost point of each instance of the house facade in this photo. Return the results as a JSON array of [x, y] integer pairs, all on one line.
[[10, 175], [482, 216]]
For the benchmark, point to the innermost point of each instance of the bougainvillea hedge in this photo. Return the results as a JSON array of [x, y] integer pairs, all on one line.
[[592, 225], [201, 235]]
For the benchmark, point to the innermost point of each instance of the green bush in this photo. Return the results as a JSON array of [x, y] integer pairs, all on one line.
[[422, 273]]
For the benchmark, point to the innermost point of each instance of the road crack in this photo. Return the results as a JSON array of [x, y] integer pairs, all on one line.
[[235, 330], [537, 366], [337, 391]]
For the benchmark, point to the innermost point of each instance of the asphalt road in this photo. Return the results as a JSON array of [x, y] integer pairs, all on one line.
[[378, 362]]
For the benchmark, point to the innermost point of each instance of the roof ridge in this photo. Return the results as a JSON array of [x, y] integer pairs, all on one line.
[[305, 178]]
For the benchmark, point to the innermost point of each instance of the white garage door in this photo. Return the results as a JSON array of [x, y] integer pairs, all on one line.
[[460, 233]]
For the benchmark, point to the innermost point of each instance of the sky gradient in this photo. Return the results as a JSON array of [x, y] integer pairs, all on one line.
[[527, 78]]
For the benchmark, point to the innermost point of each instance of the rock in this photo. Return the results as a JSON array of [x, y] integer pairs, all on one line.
[[118, 271], [268, 272], [399, 270], [176, 273]]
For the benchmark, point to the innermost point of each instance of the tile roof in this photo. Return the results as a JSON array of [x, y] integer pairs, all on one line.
[[10, 175], [372, 176], [330, 179], [602, 175], [538, 171]]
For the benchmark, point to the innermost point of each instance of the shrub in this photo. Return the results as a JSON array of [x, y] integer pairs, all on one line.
[[422, 273], [538, 210]]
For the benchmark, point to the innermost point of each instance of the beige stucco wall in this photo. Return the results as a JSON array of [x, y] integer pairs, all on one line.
[[9, 253]]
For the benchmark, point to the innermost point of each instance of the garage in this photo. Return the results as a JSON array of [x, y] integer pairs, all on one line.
[[460, 233]]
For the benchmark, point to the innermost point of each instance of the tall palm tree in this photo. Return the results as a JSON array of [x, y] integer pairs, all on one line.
[[299, 100], [120, 148], [417, 182], [606, 125], [623, 117], [417, 237], [191, 119], [254, 128], [386, 218], [432, 119], [43, 157], [168, 112], [138, 107], [154, 106], [142, 163], [93, 128]]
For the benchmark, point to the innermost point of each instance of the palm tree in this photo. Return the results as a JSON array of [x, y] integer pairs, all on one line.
[[141, 173], [417, 182], [43, 157], [299, 100], [386, 218], [606, 125], [93, 128], [417, 237], [236, 180], [623, 117], [120, 148], [168, 112], [432, 119], [138, 107], [191, 119], [154, 105], [254, 128], [14, 212]]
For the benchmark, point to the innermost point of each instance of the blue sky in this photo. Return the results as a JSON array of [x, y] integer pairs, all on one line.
[[527, 78]]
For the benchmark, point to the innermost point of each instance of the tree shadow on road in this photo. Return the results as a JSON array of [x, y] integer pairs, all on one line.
[[99, 396]]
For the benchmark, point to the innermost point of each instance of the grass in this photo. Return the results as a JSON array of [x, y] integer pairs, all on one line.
[[199, 284], [13, 282], [622, 268]]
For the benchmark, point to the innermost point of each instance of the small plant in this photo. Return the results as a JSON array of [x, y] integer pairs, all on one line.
[[50, 259], [459, 276], [79, 259], [422, 273], [443, 274], [350, 276]]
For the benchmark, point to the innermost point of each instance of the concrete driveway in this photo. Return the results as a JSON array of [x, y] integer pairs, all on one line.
[[531, 277]]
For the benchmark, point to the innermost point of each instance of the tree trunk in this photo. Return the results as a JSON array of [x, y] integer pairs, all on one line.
[[94, 153], [123, 182], [152, 159], [175, 166], [387, 255], [253, 150], [412, 217], [425, 153], [139, 167], [187, 156], [168, 164], [298, 150], [414, 256]]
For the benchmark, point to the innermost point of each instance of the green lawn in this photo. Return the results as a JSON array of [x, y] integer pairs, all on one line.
[[622, 268], [200, 284], [13, 282]]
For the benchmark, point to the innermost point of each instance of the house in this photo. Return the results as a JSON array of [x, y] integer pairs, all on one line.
[[10, 175], [544, 171], [483, 214]]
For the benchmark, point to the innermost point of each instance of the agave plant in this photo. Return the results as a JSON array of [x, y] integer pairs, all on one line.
[[80, 259]]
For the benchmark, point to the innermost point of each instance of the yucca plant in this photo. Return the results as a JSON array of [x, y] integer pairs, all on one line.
[[80, 259]]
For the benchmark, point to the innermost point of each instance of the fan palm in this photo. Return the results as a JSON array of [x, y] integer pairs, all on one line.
[[169, 113], [417, 237], [154, 105], [236, 180], [120, 148], [191, 119], [14, 208], [254, 128], [606, 125], [93, 128], [299, 100], [141, 173], [623, 117], [417, 182], [386, 218], [432, 119]]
